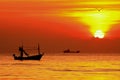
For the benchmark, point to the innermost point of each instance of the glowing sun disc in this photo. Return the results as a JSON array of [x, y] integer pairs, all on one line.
[[99, 34]]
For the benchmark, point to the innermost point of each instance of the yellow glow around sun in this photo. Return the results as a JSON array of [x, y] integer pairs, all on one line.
[[97, 20], [99, 34]]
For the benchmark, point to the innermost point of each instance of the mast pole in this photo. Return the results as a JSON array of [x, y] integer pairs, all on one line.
[[38, 49]]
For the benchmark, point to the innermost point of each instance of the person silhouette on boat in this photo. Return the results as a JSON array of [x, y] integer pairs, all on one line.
[[22, 51]]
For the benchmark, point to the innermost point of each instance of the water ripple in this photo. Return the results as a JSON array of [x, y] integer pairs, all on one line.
[[85, 70]]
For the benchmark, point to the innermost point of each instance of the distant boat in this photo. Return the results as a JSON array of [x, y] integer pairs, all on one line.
[[34, 57], [69, 51]]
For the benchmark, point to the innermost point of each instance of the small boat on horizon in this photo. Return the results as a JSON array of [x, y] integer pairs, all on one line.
[[69, 51], [33, 57]]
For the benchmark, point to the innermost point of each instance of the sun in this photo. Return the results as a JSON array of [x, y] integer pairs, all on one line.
[[99, 34]]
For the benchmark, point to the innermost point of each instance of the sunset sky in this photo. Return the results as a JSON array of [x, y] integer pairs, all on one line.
[[60, 24]]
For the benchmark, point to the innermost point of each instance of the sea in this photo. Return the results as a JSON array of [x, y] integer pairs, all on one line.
[[62, 66]]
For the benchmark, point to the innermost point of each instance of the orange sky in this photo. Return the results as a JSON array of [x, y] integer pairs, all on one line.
[[59, 24]]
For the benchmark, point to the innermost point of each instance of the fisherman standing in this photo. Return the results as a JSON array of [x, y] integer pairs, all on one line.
[[22, 51]]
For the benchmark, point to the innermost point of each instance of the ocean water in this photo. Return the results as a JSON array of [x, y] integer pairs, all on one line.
[[62, 67]]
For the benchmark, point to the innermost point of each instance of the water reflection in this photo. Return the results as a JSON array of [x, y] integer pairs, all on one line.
[[101, 77], [52, 67]]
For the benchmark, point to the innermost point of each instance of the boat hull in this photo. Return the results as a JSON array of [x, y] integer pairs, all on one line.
[[35, 57], [71, 51]]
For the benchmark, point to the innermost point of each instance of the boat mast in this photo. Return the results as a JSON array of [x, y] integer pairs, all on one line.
[[38, 49]]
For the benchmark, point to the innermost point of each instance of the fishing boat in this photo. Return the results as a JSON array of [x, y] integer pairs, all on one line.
[[69, 51], [33, 57]]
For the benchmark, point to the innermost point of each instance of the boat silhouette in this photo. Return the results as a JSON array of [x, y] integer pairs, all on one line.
[[33, 57], [69, 51]]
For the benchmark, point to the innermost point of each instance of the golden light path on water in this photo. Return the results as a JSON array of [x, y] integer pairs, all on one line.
[[63, 67], [97, 19]]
